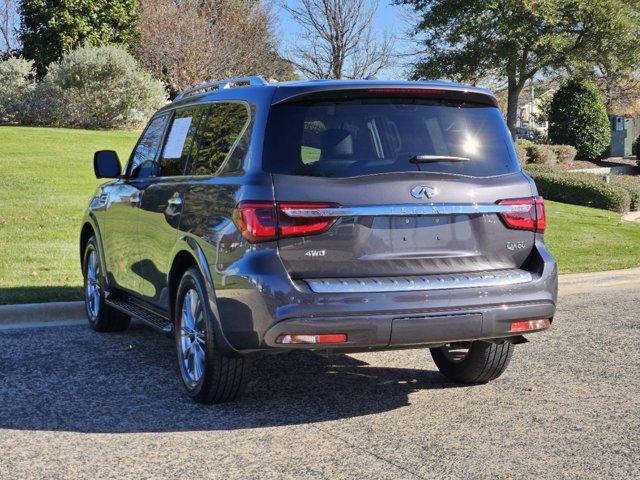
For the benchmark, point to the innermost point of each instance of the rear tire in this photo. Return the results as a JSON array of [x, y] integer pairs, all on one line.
[[481, 363], [208, 375], [102, 317]]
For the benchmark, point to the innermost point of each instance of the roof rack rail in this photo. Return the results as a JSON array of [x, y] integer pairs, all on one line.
[[227, 83]]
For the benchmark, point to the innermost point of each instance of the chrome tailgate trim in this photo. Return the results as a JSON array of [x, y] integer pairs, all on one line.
[[498, 278], [406, 210]]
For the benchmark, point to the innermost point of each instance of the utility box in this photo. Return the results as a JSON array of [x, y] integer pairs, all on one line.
[[621, 135]]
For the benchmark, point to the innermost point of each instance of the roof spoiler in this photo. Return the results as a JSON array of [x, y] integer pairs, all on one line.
[[359, 90]]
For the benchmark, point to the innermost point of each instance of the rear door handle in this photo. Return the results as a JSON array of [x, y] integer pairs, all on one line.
[[175, 201], [134, 199]]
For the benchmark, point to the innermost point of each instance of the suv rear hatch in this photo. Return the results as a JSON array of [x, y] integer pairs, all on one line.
[[386, 183]]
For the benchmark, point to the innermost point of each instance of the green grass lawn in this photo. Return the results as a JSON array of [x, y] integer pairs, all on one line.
[[588, 240], [46, 177]]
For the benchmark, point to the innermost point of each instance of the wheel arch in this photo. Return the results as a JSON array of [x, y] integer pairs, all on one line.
[[189, 254], [86, 233], [182, 261]]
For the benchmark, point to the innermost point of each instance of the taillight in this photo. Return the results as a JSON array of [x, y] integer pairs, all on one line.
[[301, 226], [256, 220], [265, 221], [526, 214], [526, 325], [322, 338]]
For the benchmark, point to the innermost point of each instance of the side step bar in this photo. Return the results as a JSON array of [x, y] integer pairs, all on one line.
[[151, 318]]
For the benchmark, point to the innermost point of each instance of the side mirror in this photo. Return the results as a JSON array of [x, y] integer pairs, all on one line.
[[106, 164]]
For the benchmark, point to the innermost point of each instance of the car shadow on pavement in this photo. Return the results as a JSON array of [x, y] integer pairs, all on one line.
[[74, 379]]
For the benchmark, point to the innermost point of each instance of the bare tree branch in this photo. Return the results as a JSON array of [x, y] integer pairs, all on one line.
[[338, 39], [191, 42], [8, 25]]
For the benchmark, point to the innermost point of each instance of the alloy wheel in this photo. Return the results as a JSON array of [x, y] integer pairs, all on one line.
[[93, 287], [192, 337]]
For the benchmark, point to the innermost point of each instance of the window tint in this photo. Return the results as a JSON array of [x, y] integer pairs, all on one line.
[[178, 144], [369, 136], [222, 127], [143, 158]]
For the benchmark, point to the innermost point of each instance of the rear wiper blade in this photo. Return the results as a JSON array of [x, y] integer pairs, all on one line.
[[437, 158]]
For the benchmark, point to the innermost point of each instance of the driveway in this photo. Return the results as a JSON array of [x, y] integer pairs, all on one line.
[[77, 404]]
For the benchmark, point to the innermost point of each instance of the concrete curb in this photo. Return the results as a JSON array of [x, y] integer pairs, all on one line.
[[72, 313], [587, 282], [39, 314]]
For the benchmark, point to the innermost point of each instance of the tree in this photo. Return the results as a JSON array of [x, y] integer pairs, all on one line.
[[198, 41], [95, 87], [578, 117], [8, 23], [515, 41], [48, 29], [338, 39], [16, 84]]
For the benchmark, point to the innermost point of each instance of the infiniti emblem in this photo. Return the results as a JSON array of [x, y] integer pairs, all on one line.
[[423, 191]]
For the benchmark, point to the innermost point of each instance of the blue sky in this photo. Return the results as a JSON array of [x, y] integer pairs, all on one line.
[[390, 18]]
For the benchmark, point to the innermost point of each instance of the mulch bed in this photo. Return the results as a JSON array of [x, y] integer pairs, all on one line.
[[609, 162]]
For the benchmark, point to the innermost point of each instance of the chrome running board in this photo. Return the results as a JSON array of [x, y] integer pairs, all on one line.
[[497, 278]]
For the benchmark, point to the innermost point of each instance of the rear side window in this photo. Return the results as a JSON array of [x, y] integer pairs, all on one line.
[[177, 147], [368, 136], [142, 163], [223, 126]]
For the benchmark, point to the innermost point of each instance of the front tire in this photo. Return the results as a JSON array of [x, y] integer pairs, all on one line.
[[473, 362], [207, 374], [102, 317]]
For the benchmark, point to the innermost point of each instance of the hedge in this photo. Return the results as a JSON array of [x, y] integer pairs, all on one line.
[[632, 185], [521, 145], [564, 153], [583, 189], [541, 155]]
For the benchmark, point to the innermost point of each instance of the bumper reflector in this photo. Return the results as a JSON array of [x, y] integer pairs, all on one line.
[[525, 325], [307, 339]]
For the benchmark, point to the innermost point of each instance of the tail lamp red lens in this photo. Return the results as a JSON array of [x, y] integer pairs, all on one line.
[[526, 214], [527, 325], [265, 221], [311, 339]]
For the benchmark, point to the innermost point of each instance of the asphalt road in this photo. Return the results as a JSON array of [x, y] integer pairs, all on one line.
[[77, 404]]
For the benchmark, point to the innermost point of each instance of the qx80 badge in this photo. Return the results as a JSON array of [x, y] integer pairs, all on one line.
[[423, 191]]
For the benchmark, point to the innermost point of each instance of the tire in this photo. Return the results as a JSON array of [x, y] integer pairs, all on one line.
[[481, 363], [207, 374], [101, 317]]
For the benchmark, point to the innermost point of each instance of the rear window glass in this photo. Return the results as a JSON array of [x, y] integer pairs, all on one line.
[[369, 136]]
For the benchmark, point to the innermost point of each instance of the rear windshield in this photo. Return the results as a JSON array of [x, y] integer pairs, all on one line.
[[368, 136]]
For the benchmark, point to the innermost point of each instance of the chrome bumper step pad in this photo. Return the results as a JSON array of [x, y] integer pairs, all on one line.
[[497, 278]]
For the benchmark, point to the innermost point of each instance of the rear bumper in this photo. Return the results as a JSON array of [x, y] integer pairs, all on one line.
[[395, 319], [397, 331]]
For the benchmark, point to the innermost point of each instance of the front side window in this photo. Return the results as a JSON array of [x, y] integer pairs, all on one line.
[[143, 159], [222, 128], [177, 147]]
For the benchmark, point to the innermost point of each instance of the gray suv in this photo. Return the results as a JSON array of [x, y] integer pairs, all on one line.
[[347, 216]]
